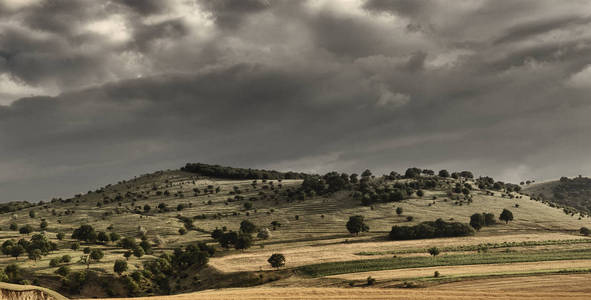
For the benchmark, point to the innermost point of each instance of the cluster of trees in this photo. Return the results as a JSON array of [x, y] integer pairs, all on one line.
[[163, 270], [430, 229], [489, 183], [239, 173], [35, 248], [572, 192], [477, 221], [239, 240]]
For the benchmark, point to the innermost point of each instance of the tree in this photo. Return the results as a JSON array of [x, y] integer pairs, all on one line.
[[443, 173], [120, 266], [138, 252], [217, 233], [247, 227], [277, 260], [434, 251], [103, 237], [412, 173], [32, 214], [420, 193], [35, 255], [399, 210], [75, 246], [60, 236], [264, 234], [114, 236], [247, 205], [16, 251], [85, 233], [356, 225], [26, 229], [182, 231], [13, 226], [43, 225], [506, 216], [7, 246], [585, 231], [366, 173], [127, 254], [147, 208], [244, 241], [489, 219], [63, 271], [477, 221]]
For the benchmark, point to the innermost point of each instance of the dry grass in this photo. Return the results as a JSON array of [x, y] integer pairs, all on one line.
[[334, 250], [366, 293]]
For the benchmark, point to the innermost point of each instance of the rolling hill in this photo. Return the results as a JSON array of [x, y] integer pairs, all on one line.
[[167, 213]]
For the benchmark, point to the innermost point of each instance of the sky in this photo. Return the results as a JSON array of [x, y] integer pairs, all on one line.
[[93, 92]]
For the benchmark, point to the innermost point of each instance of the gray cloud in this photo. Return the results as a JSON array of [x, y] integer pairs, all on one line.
[[96, 92]]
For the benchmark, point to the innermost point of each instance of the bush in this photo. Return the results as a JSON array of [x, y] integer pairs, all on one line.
[[276, 260], [264, 234], [431, 229], [60, 236], [247, 227], [26, 229], [436, 274], [585, 231], [371, 280], [120, 266], [63, 271], [434, 251]]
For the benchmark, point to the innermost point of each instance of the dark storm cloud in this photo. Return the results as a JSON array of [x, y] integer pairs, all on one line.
[[228, 13], [109, 90]]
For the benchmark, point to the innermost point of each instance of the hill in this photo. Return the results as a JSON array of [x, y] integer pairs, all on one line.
[[571, 194], [203, 227]]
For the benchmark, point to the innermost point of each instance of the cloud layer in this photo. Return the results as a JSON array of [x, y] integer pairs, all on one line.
[[92, 92]]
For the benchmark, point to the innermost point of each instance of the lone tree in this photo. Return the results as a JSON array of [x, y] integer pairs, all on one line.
[[356, 225], [434, 251], [277, 260], [506, 216], [120, 266], [477, 221], [399, 210]]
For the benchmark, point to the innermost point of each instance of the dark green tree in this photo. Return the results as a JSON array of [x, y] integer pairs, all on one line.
[[356, 225]]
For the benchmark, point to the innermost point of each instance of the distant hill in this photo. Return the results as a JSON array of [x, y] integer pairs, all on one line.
[[568, 193]]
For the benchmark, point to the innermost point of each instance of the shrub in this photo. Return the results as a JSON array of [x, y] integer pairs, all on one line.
[[399, 210], [371, 280], [276, 260], [585, 231], [247, 227], [477, 221], [264, 234], [434, 251], [436, 274], [60, 236], [120, 266], [63, 271]]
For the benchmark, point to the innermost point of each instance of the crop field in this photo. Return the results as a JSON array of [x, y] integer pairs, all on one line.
[[368, 293], [336, 250]]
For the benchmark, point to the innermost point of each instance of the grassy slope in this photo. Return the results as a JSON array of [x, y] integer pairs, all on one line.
[[319, 218]]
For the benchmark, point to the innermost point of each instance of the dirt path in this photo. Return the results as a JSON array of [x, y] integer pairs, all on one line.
[[483, 269], [312, 253], [363, 293]]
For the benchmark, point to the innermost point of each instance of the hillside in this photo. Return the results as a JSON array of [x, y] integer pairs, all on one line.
[[571, 194], [167, 213]]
